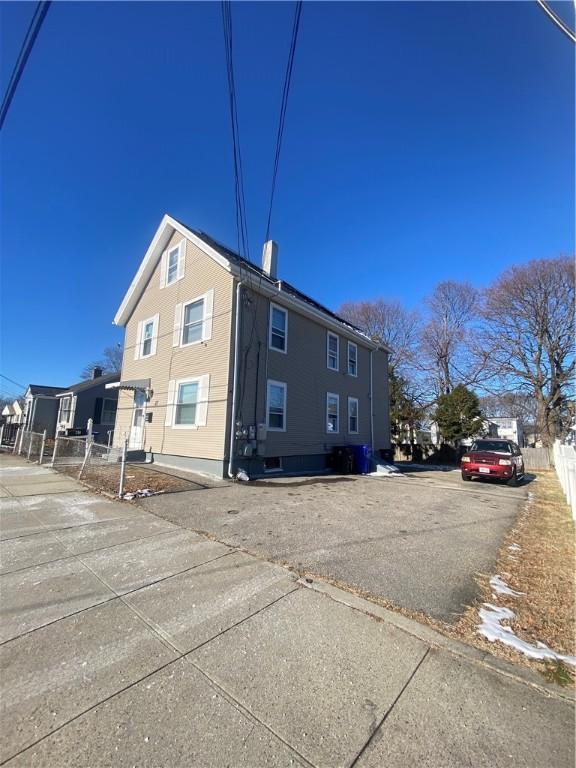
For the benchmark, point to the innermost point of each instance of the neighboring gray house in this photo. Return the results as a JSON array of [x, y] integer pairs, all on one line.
[[226, 367], [88, 400], [41, 408]]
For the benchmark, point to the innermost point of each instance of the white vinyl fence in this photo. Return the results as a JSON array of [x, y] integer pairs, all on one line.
[[565, 462]]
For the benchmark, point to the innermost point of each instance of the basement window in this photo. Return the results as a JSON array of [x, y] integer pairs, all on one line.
[[273, 464]]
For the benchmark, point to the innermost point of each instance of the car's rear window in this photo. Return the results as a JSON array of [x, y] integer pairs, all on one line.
[[491, 445]]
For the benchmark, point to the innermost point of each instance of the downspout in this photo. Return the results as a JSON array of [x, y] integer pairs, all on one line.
[[235, 381], [371, 406]]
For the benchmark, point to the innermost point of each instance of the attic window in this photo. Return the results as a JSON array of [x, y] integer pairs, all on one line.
[[172, 271], [172, 265]]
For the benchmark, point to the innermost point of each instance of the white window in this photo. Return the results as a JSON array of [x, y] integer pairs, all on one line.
[[352, 359], [172, 264], [278, 328], [353, 415], [276, 406], [146, 337], [65, 409], [108, 411], [332, 351], [332, 413], [187, 403], [193, 320]]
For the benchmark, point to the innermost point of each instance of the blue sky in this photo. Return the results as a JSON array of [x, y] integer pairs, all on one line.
[[424, 141]]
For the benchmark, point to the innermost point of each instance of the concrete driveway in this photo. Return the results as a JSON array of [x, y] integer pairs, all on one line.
[[130, 641], [417, 540]]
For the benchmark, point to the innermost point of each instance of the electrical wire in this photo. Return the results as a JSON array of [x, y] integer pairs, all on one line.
[[241, 220], [31, 34], [283, 109], [14, 382], [557, 20]]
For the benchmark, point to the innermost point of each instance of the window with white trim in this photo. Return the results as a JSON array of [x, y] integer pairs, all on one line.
[[278, 328], [353, 415], [186, 403], [109, 407], [192, 322], [332, 351], [352, 359], [276, 406], [172, 265], [147, 336], [65, 409], [332, 413]]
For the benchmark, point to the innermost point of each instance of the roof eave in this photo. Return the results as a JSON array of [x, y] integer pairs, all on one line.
[[148, 264]]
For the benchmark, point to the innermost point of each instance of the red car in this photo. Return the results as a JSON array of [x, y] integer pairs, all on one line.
[[494, 458]]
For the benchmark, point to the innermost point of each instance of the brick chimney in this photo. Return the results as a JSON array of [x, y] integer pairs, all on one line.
[[96, 372]]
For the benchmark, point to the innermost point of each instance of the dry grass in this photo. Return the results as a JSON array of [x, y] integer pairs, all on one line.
[[106, 479], [543, 568]]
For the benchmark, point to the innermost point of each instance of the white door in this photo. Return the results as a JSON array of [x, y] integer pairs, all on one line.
[[137, 428]]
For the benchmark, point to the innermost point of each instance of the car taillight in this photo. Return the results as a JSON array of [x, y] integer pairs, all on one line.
[[505, 463], [466, 459]]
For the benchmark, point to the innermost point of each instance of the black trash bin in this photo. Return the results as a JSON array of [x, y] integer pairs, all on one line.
[[342, 460]]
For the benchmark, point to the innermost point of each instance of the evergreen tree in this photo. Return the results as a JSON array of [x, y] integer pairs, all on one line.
[[458, 414], [405, 412]]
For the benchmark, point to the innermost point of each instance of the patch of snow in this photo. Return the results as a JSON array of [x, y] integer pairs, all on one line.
[[500, 586], [514, 548], [492, 630], [385, 470], [432, 467]]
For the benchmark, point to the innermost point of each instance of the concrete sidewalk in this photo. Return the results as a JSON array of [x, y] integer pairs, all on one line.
[[129, 641]]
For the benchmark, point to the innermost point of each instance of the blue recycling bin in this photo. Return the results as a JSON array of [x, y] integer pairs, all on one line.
[[362, 459]]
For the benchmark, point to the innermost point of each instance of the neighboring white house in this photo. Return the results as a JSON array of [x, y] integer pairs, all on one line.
[[507, 428], [13, 413]]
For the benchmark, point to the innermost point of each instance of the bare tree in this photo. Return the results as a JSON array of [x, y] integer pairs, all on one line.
[[528, 334], [512, 405], [445, 340], [388, 322], [111, 362]]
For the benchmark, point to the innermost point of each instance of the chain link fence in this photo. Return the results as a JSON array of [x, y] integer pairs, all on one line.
[[69, 452], [100, 466]]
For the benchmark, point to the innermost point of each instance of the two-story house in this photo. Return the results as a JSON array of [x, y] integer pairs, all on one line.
[[226, 367]]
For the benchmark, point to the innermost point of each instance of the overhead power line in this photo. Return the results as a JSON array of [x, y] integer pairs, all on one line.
[[557, 20], [283, 108], [241, 220], [29, 40], [13, 382]]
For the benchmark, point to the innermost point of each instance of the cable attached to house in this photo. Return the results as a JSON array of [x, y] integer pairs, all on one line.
[[31, 34], [557, 20], [283, 109], [241, 222]]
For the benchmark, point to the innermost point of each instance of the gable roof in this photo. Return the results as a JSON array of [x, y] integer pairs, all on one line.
[[40, 389], [234, 263], [82, 386]]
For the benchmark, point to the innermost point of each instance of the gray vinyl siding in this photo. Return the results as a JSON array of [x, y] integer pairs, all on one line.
[[85, 407], [173, 363], [304, 370]]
